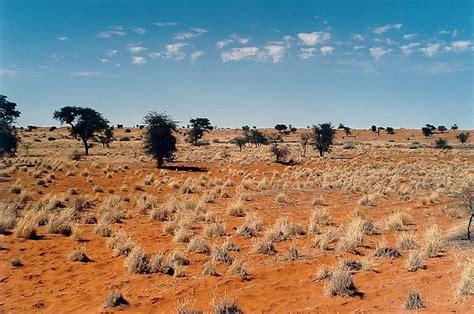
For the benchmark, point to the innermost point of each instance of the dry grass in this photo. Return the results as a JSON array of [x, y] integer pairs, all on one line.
[[398, 221], [236, 210], [340, 283], [407, 241], [466, 283], [115, 299], [317, 218], [225, 305], [415, 261], [137, 262], [433, 242], [198, 245], [26, 227], [210, 269], [353, 237], [413, 301], [216, 229], [78, 255], [238, 268]]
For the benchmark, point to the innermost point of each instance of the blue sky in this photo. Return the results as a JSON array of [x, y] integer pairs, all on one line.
[[389, 63]]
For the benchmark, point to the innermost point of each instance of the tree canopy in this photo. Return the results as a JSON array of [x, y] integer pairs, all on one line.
[[8, 136], [323, 137], [198, 127], [84, 122], [159, 140]]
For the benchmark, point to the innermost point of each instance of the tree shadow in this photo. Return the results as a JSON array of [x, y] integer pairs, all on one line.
[[185, 168]]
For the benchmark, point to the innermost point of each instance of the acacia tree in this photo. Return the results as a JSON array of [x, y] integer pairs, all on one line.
[[323, 137], [257, 137], [240, 141], [304, 139], [8, 137], [107, 137], [198, 127], [159, 140], [281, 127], [463, 137], [427, 132], [442, 129], [83, 122]]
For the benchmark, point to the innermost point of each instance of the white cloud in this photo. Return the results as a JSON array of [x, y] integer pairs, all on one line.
[[408, 49], [173, 51], [165, 23], [287, 38], [378, 52], [222, 43], [409, 36], [358, 37], [241, 40], [245, 53], [461, 45], [139, 30], [154, 55], [195, 32], [138, 60], [453, 33], [385, 28], [135, 48], [63, 38], [9, 72], [196, 54], [387, 41], [275, 52], [306, 53], [431, 49], [311, 39], [87, 74], [112, 31], [111, 52], [358, 47], [326, 50], [104, 60]]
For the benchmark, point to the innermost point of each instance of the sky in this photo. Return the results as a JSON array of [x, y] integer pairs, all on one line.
[[388, 63]]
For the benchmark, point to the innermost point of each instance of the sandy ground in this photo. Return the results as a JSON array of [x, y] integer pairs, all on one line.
[[48, 282]]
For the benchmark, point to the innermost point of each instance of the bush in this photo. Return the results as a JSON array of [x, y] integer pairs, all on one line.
[[442, 144]]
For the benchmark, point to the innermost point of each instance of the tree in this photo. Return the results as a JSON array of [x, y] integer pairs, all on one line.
[[390, 130], [442, 143], [246, 128], [347, 130], [9, 139], [304, 139], [240, 141], [432, 127], [257, 137], [281, 153], [454, 127], [84, 122], [374, 128], [442, 129], [292, 129], [281, 127], [107, 137], [463, 137], [159, 140], [323, 137], [426, 131], [198, 127]]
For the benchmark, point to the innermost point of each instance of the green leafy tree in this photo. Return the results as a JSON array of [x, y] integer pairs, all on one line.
[[442, 143], [159, 139], [198, 127], [427, 132], [463, 137], [442, 129], [83, 122], [9, 138], [281, 127], [374, 128], [323, 137], [347, 130], [454, 127], [390, 130], [257, 137]]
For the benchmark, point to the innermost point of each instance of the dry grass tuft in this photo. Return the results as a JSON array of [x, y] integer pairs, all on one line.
[[215, 230], [466, 284], [137, 262], [225, 305], [210, 269], [115, 299], [236, 210], [238, 268], [78, 255], [433, 242], [413, 301], [340, 283], [407, 241], [415, 261], [198, 245]]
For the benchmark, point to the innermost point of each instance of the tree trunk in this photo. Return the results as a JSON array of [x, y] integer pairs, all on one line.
[[469, 227], [86, 146]]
